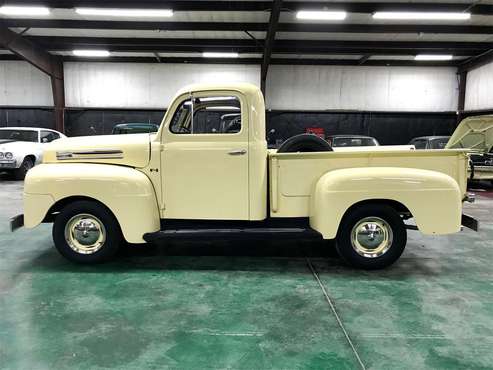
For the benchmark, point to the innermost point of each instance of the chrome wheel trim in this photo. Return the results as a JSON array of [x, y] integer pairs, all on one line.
[[371, 237], [85, 233]]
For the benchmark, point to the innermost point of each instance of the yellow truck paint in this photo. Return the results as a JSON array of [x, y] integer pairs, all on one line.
[[145, 179]]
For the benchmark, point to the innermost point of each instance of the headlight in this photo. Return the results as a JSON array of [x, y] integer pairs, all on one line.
[[1, 155], [8, 155]]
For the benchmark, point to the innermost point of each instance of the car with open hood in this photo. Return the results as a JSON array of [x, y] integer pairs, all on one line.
[[21, 148], [476, 133]]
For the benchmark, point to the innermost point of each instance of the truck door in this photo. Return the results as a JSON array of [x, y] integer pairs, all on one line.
[[205, 158]]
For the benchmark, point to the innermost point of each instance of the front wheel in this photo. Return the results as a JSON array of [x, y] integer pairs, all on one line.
[[87, 232], [26, 165], [371, 237]]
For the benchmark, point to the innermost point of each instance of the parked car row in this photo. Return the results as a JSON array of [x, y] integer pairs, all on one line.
[[21, 148]]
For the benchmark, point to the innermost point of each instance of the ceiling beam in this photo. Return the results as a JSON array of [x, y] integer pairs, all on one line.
[[50, 64], [208, 5], [477, 61], [248, 26], [257, 61], [269, 41], [61, 43]]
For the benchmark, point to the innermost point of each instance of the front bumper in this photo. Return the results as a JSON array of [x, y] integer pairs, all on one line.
[[470, 222], [16, 222], [7, 165]]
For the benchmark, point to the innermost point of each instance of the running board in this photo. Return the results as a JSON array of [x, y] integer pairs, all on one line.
[[233, 233]]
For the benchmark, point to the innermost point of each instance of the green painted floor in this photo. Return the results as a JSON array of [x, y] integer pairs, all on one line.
[[245, 305]]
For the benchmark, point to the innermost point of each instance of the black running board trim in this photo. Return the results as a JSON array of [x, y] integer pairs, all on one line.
[[233, 233]]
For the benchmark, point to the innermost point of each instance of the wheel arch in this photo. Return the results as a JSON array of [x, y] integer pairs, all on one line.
[[432, 198], [126, 192]]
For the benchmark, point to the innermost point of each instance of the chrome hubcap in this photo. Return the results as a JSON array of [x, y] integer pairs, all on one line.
[[85, 234], [371, 237]]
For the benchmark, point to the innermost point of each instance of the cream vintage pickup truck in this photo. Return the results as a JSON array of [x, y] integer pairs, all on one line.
[[207, 172]]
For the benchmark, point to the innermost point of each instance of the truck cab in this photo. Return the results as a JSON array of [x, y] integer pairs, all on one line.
[[207, 172]]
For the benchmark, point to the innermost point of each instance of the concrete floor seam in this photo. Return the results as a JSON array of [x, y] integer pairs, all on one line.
[[334, 311]]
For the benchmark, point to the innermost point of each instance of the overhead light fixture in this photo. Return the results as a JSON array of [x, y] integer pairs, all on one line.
[[24, 10], [91, 53], [219, 55], [125, 12], [422, 16], [425, 57], [321, 15]]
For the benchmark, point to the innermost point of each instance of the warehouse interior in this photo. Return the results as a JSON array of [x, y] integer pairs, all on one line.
[[392, 70]]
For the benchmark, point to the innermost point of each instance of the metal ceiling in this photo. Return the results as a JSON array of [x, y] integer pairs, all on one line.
[[252, 29]]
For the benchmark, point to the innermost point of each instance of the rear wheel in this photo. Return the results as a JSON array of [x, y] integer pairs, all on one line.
[[87, 232], [371, 237], [26, 165]]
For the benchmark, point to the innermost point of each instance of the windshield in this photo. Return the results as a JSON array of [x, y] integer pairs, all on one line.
[[19, 135], [354, 141]]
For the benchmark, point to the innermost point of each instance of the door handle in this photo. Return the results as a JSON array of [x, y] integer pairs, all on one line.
[[238, 152]]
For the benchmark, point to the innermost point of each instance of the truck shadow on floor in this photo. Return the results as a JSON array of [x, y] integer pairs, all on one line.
[[283, 257]]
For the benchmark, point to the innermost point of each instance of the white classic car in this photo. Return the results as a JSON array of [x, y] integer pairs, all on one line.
[[21, 148]]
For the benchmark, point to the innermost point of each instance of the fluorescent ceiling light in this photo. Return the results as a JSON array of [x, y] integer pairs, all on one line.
[[91, 53], [219, 55], [322, 15], [24, 10], [433, 57], [125, 12], [422, 15]]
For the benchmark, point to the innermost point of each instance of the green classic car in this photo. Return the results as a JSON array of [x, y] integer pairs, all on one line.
[[134, 128]]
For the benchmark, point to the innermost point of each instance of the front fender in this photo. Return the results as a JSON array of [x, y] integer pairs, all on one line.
[[433, 198], [127, 192]]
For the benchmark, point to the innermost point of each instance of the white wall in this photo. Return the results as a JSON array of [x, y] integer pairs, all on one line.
[[362, 88], [21, 84], [139, 85], [479, 88]]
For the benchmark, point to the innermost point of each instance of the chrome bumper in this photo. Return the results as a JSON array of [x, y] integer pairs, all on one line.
[[16, 222]]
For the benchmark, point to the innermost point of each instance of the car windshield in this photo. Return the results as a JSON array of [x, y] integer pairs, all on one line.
[[19, 135], [353, 141], [439, 143]]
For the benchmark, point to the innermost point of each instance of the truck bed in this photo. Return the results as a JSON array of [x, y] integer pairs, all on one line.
[[294, 175]]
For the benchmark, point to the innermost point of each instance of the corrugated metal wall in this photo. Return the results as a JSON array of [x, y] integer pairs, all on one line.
[[132, 85], [362, 88], [152, 86], [24, 85], [479, 88]]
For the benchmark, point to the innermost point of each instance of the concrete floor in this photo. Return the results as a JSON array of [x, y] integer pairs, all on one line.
[[245, 305]]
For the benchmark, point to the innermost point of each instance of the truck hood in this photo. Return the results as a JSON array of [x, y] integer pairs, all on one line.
[[473, 133], [126, 150]]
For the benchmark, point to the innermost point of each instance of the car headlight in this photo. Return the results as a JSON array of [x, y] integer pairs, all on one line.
[[9, 155]]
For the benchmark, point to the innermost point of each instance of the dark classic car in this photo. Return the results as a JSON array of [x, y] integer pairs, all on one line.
[[430, 142], [338, 141]]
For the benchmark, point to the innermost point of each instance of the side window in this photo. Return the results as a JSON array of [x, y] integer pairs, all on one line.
[[419, 144], [208, 115], [48, 136]]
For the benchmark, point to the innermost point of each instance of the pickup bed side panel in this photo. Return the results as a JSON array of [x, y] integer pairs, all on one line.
[[433, 198], [127, 192]]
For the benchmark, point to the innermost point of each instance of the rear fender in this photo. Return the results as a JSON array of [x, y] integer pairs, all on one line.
[[433, 198], [126, 192]]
